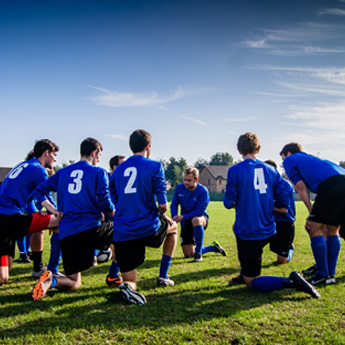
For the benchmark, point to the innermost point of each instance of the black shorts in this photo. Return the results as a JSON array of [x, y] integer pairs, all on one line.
[[282, 241], [131, 254], [78, 250], [329, 205], [12, 228], [187, 232], [250, 255]]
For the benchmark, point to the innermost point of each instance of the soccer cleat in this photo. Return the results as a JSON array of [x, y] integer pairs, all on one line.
[[331, 280], [131, 295], [162, 282], [316, 279], [238, 279], [58, 274], [218, 248], [301, 284], [197, 257], [37, 274], [40, 289], [24, 258], [310, 270], [114, 281]]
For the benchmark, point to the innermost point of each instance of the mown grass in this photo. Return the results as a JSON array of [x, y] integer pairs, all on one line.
[[202, 308]]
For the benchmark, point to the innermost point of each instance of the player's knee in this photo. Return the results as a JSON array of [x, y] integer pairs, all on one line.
[[282, 260], [196, 221], [75, 286]]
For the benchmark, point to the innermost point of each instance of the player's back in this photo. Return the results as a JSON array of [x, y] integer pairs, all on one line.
[[136, 182], [18, 185]]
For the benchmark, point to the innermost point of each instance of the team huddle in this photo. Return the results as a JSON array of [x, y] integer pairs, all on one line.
[[127, 212]]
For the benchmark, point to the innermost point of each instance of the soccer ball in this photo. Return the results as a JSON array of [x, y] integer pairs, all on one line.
[[104, 255]]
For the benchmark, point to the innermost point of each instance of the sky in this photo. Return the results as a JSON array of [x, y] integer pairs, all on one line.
[[196, 74]]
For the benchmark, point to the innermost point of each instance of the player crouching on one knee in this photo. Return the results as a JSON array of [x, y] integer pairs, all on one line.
[[193, 199]]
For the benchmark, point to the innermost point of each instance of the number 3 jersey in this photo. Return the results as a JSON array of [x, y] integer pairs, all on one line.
[[253, 188], [15, 191], [137, 181], [82, 194]]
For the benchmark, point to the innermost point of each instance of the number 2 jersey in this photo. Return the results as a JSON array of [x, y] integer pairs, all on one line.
[[137, 181], [253, 188], [82, 194]]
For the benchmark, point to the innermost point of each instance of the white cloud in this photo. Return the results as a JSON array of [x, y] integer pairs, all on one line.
[[118, 137], [240, 119], [333, 11]]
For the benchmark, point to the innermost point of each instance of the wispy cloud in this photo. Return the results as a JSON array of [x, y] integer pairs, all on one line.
[[302, 39], [112, 98], [239, 119], [333, 11], [118, 137]]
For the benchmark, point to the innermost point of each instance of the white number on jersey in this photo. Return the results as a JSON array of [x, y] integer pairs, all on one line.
[[259, 180], [75, 187], [14, 173], [132, 173]]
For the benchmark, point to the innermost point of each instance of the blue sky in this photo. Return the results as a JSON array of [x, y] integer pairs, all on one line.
[[196, 74]]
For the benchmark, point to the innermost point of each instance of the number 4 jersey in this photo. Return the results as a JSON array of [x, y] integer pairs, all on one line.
[[253, 188], [82, 194], [136, 183]]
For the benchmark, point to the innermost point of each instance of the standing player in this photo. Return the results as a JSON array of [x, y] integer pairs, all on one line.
[[15, 196], [252, 188], [327, 180], [193, 198], [82, 191], [138, 223]]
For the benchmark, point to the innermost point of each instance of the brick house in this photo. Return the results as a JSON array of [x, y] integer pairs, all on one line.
[[3, 173], [213, 177]]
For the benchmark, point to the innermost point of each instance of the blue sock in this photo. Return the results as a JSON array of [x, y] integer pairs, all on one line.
[[96, 251], [165, 265], [319, 247], [333, 249], [21, 246], [53, 284], [114, 270], [267, 283], [199, 238], [27, 243], [207, 249], [55, 253]]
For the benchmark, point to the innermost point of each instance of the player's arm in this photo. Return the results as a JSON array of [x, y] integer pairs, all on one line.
[[103, 195], [200, 207], [231, 190], [303, 192], [174, 207]]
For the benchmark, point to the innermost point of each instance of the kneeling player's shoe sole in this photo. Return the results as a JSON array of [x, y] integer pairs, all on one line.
[[197, 257], [40, 289], [310, 270], [131, 295], [302, 285], [162, 282], [114, 281], [218, 248]]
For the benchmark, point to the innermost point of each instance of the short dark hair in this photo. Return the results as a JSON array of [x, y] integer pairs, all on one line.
[[292, 148], [43, 145], [139, 139], [248, 143], [272, 163], [115, 160], [88, 145]]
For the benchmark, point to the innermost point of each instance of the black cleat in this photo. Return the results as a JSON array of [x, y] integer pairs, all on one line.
[[316, 279], [218, 248], [238, 279], [301, 284], [310, 270]]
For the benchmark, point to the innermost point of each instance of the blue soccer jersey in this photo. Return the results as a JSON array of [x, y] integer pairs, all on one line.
[[252, 188], [82, 194], [312, 170], [193, 202], [15, 191], [136, 183], [290, 216]]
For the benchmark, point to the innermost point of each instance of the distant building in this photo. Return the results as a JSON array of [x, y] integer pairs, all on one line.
[[3, 173], [213, 177]]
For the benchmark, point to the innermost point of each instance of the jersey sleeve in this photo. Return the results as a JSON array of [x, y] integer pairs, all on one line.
[[231, 190], [42, 191], [159, 185], [282, 195], [102, 191], [201, 205], [291, 170], [174, 203]]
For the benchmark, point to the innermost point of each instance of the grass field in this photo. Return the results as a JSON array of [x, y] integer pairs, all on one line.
[[200, 309]]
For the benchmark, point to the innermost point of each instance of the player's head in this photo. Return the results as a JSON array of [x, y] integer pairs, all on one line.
[[30, 155], [140, 140], [115, 161], [290, 148], [190, 178], [91, 148], [272, 163], [248, 143], [45, 151]]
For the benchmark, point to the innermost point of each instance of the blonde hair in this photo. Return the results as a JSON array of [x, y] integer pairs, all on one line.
[[193, 171]]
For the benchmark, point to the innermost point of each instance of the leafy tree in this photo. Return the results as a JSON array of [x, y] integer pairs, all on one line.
[[200, 163], [173, 170], [221, 158]]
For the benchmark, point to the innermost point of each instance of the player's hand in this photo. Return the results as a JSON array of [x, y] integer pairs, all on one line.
[[58, 215], [177, 218], [307, 225], [43, 213], [169, 220]]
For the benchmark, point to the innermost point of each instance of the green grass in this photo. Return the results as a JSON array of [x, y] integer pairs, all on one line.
[[200, 309]]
